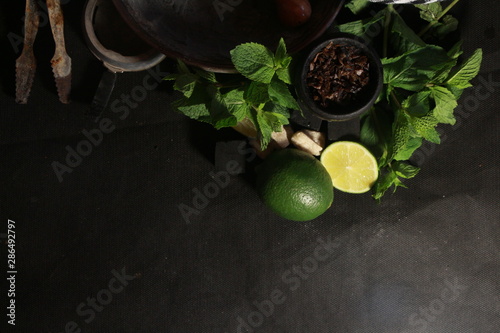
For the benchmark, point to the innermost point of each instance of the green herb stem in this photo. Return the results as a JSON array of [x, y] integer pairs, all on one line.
[[376, 120], [379, 130], [387, 24], [431, 24], [396, 100], [229, 86]]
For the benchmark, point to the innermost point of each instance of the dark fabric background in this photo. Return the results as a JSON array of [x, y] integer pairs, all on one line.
[[424, 260]]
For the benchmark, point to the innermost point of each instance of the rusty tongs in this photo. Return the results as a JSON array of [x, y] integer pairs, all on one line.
[[26, 63]]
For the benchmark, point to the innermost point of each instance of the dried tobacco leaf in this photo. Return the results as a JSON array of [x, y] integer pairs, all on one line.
[[337, 73]]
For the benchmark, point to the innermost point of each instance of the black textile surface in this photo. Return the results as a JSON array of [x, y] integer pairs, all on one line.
[[107, 249]]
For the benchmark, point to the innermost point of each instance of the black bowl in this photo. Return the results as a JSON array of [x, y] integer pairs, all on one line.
[[363, 100]]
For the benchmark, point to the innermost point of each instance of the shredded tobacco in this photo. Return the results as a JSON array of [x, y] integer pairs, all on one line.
[[337, 73]]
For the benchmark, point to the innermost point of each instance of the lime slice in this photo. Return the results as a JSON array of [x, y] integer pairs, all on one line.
[[351, 166]]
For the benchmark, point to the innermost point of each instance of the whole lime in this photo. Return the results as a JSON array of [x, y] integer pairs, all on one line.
[[295, 185]]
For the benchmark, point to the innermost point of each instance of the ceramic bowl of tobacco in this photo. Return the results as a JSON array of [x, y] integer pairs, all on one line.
[[339, 79]]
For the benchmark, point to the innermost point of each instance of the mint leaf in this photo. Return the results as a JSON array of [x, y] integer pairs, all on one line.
[[254, 61], [413, 70], [278, 109], [376, 133], [426, 127], [221, 117], [186, 83], [281, 53], [391, 179], [280, 94], [361, 27], [368, 133], [256, 93], [357, 6], [195, 111], [447, 25], [418, 103], [456, 50], [205, 103], [401, 133], [430, 12], [236, 103], [457, 92], [406, 140], [469, 70], [417, 106], [283, 120], [208, 76], [195, 107], [265, 126], [355, 27], [440, 76], [384, 183], [406, 150], [282, 62], [445, 104], [273, 120], [266, 123], [404, 39], [171, 77], [284, 75], [405, 170], [182, 68]]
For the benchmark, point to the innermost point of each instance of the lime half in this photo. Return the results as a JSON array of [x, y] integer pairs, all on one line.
[[351, 166]]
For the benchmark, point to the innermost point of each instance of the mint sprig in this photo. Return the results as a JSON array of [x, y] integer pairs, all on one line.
[[422, 85], [259, 93]]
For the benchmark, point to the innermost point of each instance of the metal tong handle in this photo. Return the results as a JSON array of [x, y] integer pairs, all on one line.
[[26, 63], [61, 62]]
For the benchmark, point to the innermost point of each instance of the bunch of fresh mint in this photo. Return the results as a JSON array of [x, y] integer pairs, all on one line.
[[422, 83], [259, 94]]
